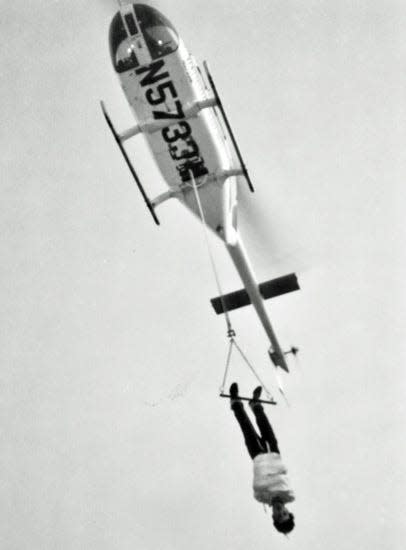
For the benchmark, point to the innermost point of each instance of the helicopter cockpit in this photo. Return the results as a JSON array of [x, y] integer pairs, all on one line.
[[126, 33]]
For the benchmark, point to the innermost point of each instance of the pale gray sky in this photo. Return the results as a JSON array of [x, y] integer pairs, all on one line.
[[113, 436]]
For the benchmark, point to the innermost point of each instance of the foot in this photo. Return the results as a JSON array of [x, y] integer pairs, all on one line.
[[234, 397], [256, 394]]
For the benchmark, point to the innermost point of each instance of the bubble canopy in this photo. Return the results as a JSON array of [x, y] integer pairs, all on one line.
[[159, 34]]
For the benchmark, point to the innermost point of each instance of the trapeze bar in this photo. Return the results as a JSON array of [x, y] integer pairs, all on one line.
[[272, 402]]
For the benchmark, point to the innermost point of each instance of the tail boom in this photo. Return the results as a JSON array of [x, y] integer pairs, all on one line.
[[239, 256]]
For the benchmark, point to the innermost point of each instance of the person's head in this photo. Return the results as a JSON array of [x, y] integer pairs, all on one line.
[[283, 520]]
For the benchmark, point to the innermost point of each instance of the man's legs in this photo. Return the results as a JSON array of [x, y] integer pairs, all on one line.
[[265, 428], [251, 438]]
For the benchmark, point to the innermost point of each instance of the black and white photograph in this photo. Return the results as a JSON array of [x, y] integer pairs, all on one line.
[[202, 275]]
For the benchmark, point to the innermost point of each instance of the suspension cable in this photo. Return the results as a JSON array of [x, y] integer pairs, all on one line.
[[230, 330], [252, 369], [230, 349]]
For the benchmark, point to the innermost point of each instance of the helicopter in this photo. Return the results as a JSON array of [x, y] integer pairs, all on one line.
[[179, 112]]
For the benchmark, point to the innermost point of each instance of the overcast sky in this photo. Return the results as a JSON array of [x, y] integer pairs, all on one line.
[[113, 435]]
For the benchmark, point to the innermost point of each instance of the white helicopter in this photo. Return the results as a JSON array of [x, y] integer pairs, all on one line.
[[179, 115]]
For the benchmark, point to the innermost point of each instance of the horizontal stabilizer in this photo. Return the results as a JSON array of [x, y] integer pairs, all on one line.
[[269, 289]]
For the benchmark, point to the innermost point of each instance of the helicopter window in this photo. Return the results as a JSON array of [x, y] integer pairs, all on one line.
[[131, 23], [160, 40], [159, 34], [125, 57], [121, 47]]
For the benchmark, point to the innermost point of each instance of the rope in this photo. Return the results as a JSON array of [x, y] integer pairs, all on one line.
[[230, 331], [253, 370], [230, 349]]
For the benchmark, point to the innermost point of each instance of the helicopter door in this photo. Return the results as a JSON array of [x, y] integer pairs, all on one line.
[[135, 38]]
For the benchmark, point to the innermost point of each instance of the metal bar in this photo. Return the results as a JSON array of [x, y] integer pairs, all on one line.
[[272, 402], [220, 106], [193, 109], [165, 196], [130, 166], [131, 132]]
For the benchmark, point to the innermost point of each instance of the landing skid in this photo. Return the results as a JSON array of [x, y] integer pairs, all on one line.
[[229, 130], [130, 166]]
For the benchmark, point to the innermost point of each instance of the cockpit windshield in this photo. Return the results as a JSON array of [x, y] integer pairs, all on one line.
[[159, 33], [160, 37], [121, 46]]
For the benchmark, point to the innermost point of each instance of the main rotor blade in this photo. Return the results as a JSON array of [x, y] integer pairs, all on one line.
[[268, 237]]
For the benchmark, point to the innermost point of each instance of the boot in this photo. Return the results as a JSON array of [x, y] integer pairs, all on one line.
[[234, 397], [256, 394]]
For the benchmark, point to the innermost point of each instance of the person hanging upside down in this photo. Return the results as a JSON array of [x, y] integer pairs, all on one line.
[[270, 483]]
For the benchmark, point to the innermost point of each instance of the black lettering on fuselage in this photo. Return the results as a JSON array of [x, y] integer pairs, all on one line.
[[159, 115], [152, 76], [181, 146]]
